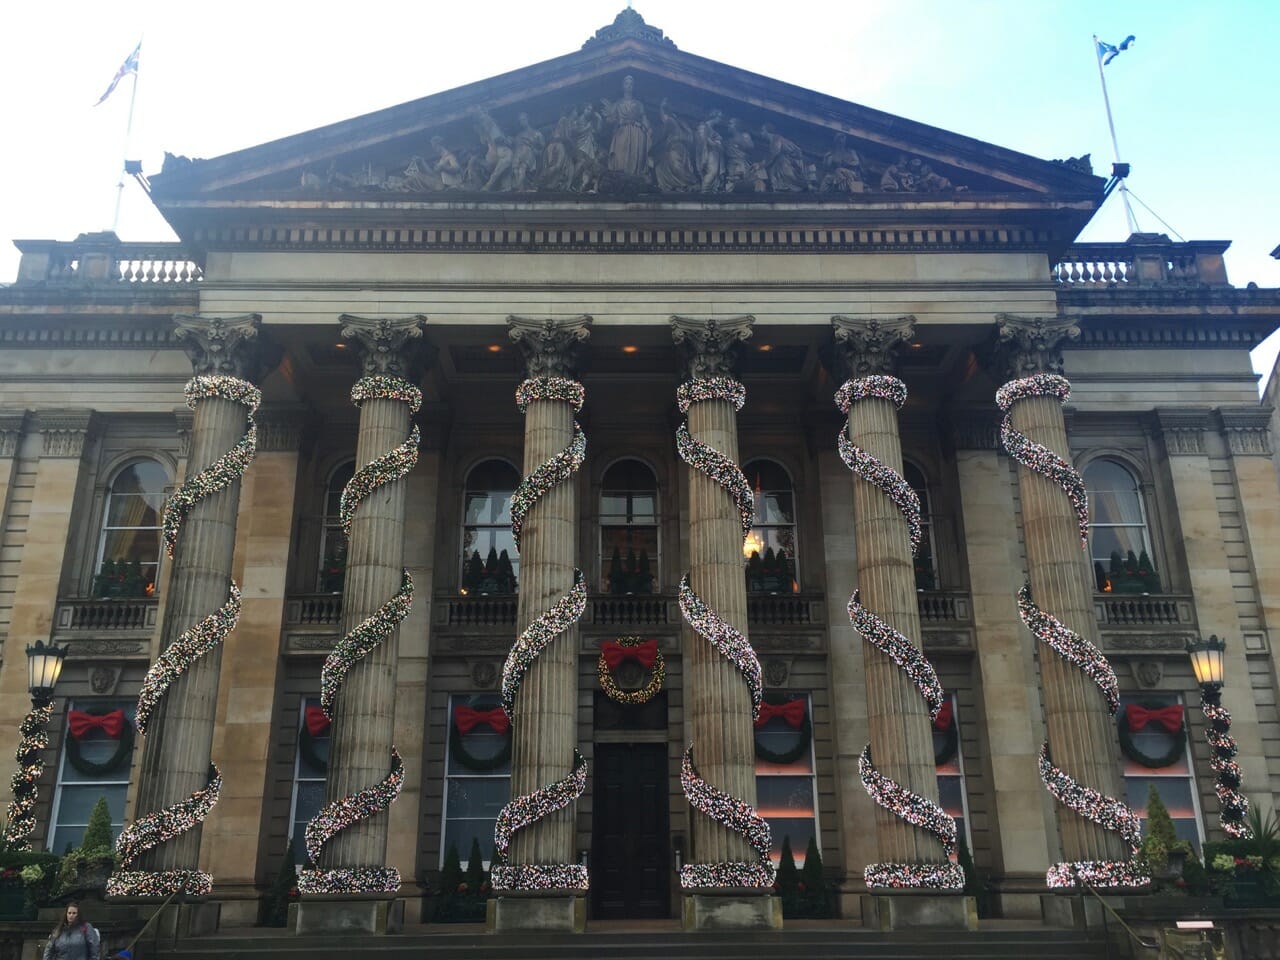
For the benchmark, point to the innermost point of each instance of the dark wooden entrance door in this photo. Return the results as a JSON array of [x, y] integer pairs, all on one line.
[[630, 845]]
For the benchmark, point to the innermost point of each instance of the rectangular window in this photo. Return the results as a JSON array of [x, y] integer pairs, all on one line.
[[1156, 756], [97, 754], [477, 773], [310, 767], [786, 785], [949, 764]]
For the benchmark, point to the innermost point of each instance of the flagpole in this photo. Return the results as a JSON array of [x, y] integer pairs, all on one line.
[[128, 132], [1115, 146]]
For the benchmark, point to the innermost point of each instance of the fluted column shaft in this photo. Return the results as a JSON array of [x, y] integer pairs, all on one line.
[[544, 730], [175, 763], [1081, 732], [361, 736], [717, 702], [897, 716]]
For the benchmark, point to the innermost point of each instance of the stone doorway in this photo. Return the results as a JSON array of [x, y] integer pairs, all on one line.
[[630, 838]]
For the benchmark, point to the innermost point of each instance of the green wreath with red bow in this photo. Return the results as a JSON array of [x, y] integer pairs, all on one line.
[[113, 723]]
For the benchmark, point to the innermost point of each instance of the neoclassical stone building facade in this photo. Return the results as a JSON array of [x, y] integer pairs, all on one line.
[[631, 217]]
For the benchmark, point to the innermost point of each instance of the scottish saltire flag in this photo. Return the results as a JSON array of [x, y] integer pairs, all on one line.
[[129, 66], [1108, 52]]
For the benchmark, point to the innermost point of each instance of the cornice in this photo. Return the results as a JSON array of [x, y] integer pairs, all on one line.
[[114, 336]]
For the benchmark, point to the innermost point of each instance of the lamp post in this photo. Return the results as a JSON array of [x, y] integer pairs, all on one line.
[[44, 666], [1206, 661]]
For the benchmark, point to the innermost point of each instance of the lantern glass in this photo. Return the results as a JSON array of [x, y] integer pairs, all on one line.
[[1206, 660], [44, 666]]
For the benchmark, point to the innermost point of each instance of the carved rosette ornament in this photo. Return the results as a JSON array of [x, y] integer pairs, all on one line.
[[549, 346], [1029, 345], [709, 345], [868, 344], [384, 343]]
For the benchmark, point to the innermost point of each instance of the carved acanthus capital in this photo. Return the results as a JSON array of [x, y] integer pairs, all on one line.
[[868, 344], [1031, 345], [549, 346], [64, 432], [1183, 430], [12, 426], [227, 346], [1248, 430], [387, 344], [709, 345]]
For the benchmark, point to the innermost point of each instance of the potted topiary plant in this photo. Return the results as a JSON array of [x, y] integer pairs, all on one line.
[[86, 868]]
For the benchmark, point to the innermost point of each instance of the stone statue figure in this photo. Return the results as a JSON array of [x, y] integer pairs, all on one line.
[[708, 153], [673, 166], [784, 162], [499, 156], [445, 164], [557, 158], [587, 159], [843, 169], [528, 148], [629, 148], [738, 147], [898, 176], [926, 180]]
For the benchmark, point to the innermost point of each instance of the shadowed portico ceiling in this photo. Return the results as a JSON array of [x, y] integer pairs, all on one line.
[[628, 118]]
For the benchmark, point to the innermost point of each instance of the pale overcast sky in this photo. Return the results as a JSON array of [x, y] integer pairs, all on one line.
[[1194, 98]]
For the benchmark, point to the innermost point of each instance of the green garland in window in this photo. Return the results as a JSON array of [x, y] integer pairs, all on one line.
[[804, 734], [470, 760], [1176, 751], [124, 749]]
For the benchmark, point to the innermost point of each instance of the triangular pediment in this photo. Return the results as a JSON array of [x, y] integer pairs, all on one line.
[[686, 128]]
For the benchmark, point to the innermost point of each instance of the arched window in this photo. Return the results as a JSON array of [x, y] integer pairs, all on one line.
[[129, 549], [490, 561], [628, 529], [333, 542], [769, 552], [926, 562], [1119, 543]]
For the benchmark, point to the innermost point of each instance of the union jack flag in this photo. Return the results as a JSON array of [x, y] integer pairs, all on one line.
[[129, 66]]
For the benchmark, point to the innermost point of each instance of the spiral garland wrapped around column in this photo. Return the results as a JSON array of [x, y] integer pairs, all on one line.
[[734, 814], [1234, 804], [913, 808], [1107, 812], [155, 828], [33, 737], [369, 634], [532, 807]]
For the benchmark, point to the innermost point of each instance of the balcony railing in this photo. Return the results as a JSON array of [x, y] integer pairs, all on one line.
[[104, 258], [106, 616], [313, 609], [1155, 610], [1144, 259]]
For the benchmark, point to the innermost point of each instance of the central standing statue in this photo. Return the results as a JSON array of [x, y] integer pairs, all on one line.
[[629, 149]]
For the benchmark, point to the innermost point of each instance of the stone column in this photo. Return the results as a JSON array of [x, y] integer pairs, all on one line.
[[1020, 808], [361, 737], [234, 842], [718, 705], [544, 726], [899, 716], [1081, 731], [178, 750]]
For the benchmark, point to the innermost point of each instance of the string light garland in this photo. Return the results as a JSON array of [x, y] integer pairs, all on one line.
[[229, 467], [381, 387], [152, 830], [545, 628], [644, 694], [727, 639], [1035, 456], [367, 636], [922, 813], [870, 468], [1108, 813], [737, 816], [528, 809], [337, 816], [33, 738], [914, 809], [707, 459], [1234, 805], [1071, 647]]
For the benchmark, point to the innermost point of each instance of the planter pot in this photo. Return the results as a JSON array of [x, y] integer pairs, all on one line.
[[1250, 892], [13, 900]]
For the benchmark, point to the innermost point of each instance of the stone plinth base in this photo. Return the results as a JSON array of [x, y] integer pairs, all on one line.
[[903, 911], [182, 921], [345, 914], [1073, 910], [705, 911], [508, 914]]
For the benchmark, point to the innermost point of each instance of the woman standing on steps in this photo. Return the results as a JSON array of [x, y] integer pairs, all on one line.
[[74, 938]]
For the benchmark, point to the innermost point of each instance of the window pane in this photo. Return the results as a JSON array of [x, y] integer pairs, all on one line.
[[140, 545], [75, 803], [310, 798], [145, 477], [628, 559], [1174, 791], [460, 833], [1106, 540], [484, 744], [1115, 506], [775, 506], [476, 797], [613, 505], [337, 482], [799, 830], [133, 510]]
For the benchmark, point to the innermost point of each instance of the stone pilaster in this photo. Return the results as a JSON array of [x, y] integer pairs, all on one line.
[[175, 762], [361, 738], [717, 703], [545, 725], [1081, 731], [13, 427], [897, 716]]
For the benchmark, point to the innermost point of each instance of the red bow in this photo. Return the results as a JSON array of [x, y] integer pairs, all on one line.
[[80, 723], [467, 719], [1169, 717], [792, 712], [943, 720], [317, 722], [614, 653]]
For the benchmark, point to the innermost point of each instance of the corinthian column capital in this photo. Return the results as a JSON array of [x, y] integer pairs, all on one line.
[[1030, 345], [227, 346], [385, 343], [549, 346], [868, 344], [709, 344]]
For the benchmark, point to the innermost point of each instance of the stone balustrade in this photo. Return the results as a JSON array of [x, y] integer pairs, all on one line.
[[1143, 259], [113, 616], [105, 258]]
